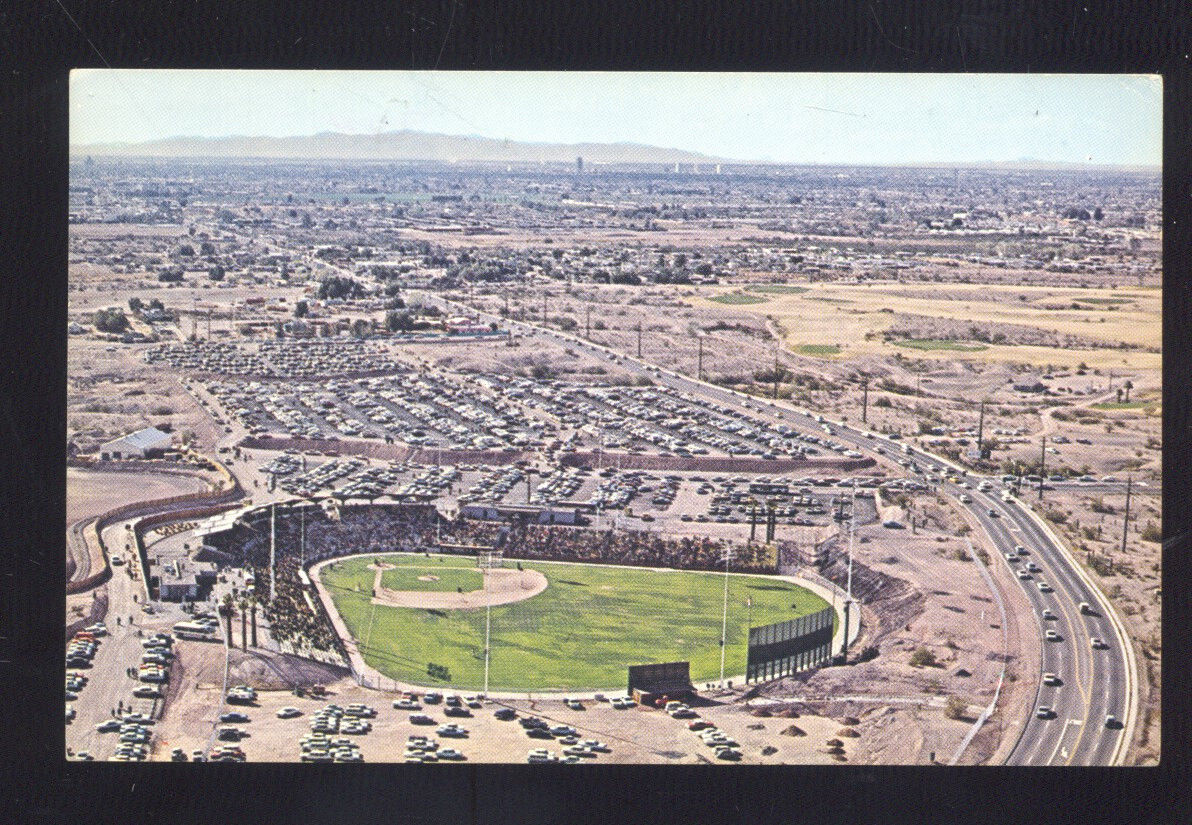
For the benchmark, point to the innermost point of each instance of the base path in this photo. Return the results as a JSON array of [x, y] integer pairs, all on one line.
[[501, 586]]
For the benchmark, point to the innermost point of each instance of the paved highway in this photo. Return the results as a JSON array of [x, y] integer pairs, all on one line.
[[1091, 683]]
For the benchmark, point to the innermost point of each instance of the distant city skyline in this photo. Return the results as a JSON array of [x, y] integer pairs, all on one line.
[[882, 119]]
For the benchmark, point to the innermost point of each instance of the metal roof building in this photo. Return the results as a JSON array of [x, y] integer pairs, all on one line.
[[136, 445]]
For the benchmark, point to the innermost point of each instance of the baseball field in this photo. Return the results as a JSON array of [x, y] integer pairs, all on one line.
[[581, 632]]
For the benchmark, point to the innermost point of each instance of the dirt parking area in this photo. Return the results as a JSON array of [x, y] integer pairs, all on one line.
[[93, 492], [635, 736]]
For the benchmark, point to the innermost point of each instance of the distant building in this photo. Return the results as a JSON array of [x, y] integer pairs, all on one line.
[[141, 444]]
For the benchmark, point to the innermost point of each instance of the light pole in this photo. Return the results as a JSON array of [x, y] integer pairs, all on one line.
[[728, 554], [487, 626]]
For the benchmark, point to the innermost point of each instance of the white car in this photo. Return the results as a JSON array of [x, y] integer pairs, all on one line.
[[1052, 636], [288, 713]]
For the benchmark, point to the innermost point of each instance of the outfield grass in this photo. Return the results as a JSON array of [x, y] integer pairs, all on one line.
[[937, 343], [590, 623], [777, 289], [738, 298], [817, 349]]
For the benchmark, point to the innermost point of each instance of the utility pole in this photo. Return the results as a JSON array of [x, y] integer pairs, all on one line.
[[981, 432], [728, 554], [1042, 467], [544, 307], [588, 324], [1126, 518], [865, 399], [639, 339], [775, 372], [208, 323], [699, 372]]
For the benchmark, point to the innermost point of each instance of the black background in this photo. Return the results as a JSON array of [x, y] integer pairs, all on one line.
[[40, 40]]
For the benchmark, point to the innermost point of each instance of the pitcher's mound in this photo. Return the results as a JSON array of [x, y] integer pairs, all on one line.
[[501, 586]]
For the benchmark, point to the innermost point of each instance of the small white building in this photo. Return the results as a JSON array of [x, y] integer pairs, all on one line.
[[141, 444]]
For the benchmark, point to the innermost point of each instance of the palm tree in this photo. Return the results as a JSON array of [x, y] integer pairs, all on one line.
[[252, 604], [1129, 385], [227, 610], [243, 624]]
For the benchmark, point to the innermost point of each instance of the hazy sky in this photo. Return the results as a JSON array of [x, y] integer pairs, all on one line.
[[796, 118]]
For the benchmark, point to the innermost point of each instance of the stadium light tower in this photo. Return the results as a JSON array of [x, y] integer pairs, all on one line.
[[728, 555]]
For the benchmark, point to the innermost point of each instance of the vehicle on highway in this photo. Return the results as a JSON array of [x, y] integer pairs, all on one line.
[[1044, 712], [1051, 680], [1098, 643], [1052, 636], [1047, 613], [1087, 609], [1044, 587], [1111, 721], [993, 513]]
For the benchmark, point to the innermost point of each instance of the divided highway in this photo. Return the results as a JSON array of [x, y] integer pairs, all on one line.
[[1090, 685]]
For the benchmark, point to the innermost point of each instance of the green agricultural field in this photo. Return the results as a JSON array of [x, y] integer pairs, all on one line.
[[817, 349], [777, 289], [938, 343], [581, 632], [738, 298]]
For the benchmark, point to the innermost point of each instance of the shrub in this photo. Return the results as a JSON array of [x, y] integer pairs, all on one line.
[[922, 657], [1055, 516], [1152, 532], [955, 707]]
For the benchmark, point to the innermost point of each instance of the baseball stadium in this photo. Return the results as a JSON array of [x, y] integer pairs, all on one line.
[[407, 597]]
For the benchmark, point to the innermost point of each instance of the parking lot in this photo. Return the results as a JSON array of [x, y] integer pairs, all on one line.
[[343, 724]]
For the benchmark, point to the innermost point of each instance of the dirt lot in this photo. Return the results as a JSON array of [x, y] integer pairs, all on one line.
[[92, 492]]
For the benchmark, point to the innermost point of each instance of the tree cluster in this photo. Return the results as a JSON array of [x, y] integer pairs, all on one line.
[[110, 320]]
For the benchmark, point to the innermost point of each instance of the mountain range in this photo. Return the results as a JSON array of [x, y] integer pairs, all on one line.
[[403, 145]]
